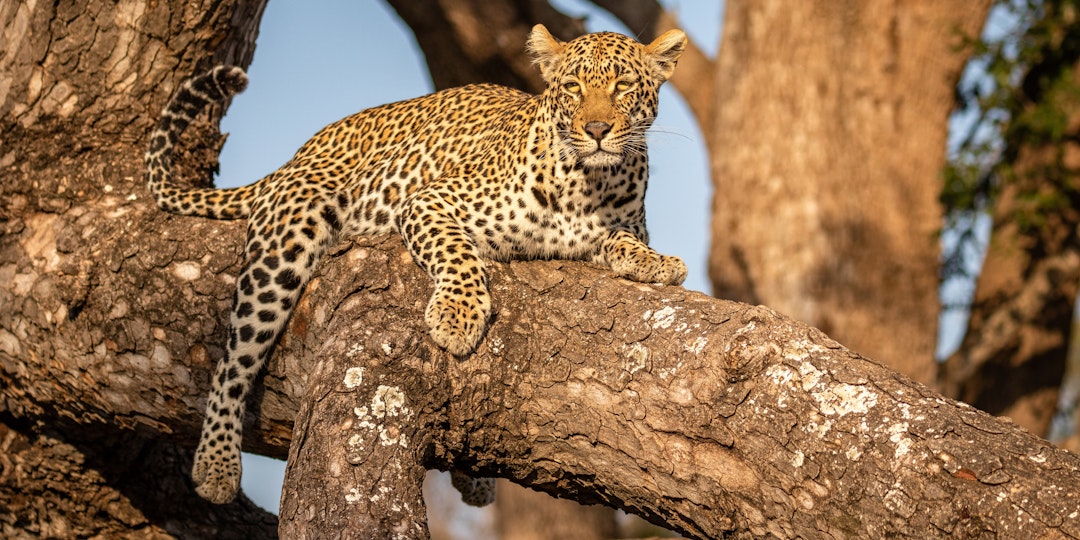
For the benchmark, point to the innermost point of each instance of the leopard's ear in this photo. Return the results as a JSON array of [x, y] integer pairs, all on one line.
[[547, 52], [664, 52]]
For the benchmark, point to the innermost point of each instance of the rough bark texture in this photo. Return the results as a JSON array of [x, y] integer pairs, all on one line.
[[80, 85], [829, 142], [715, 418], [1013, 357]]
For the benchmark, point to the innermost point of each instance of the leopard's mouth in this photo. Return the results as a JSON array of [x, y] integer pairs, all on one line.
[[600, 158]]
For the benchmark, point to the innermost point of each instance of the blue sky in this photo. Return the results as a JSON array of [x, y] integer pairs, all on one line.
[[318, 61]]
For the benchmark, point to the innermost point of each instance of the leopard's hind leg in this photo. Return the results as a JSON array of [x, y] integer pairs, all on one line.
[[281, 252]]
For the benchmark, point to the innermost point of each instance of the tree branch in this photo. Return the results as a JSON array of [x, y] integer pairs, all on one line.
[[470, 41], [711, 417]]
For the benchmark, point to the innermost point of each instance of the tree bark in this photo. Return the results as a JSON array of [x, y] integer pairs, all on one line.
[[828, 150], [80, 86], [713, 417]]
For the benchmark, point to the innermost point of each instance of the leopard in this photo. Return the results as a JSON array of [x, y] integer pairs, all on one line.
[[465, 175]]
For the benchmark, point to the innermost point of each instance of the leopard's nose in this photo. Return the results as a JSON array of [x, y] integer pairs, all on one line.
[[598, 129]]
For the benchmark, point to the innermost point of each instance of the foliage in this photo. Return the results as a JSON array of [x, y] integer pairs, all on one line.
[[1017, 98]]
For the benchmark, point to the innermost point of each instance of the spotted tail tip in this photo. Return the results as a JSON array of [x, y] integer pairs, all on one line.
[[231, 79]]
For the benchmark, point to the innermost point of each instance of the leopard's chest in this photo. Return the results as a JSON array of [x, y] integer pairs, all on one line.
[[563, 216]]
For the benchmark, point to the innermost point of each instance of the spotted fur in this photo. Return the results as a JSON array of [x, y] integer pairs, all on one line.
[[467, 174]]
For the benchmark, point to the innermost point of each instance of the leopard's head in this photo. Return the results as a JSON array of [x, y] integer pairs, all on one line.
[[603, 89]]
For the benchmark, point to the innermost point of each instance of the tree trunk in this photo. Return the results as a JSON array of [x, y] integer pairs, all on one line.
[[711, 417], [827, 157], [1012, 359], [80, 86]]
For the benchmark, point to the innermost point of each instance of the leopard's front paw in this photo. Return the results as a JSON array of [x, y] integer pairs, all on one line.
[[216, 473], [672, 271], [650, 267], [458, 320]]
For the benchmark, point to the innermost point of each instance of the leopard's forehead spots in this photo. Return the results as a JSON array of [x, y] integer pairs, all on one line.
[[602, 54]]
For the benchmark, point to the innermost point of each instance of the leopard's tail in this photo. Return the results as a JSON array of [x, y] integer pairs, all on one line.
[[194, 94]]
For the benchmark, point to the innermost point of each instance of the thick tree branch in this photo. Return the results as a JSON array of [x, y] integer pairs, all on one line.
[[710, 416]]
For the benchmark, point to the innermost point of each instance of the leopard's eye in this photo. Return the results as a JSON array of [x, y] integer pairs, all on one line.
[[572, 87], [623, 86]]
